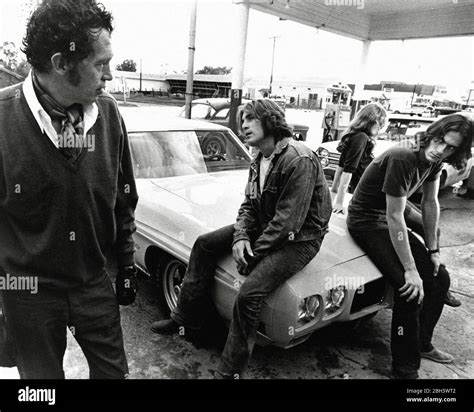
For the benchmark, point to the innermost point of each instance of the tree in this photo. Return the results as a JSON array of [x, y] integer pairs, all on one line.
[[127, 66], [214, 70], [23, 68], [9, 55], [9, 59]]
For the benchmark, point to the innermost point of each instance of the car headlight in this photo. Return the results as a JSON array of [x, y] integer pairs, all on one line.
[[335, 299], [323, 157], [308, 308]]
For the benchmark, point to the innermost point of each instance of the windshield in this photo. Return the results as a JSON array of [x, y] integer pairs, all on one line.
[[202, 111], [180, 153]]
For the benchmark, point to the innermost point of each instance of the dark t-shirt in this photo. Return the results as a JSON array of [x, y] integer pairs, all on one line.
[[397, 172], [356, 157]]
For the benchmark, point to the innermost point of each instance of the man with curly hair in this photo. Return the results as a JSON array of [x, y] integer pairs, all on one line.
[[378, 220], [67, 195], [279, 229]]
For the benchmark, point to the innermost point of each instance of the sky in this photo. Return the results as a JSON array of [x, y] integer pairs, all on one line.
[[157, 32]]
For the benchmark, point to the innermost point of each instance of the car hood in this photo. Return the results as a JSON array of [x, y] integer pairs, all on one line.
[[175, 211], [183, 207]]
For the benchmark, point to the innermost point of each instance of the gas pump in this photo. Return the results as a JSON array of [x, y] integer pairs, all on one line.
[[337, 112]]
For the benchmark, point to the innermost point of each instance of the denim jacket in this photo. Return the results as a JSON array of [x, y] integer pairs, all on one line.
[[294, 205]]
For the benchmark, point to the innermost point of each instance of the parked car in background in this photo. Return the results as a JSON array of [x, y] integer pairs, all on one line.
[[216, 110], [184, 192], [415, 110], [397, 128]]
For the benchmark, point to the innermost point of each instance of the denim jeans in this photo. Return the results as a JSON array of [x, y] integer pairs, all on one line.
[[412, 324], [38, 323], [265, 275]]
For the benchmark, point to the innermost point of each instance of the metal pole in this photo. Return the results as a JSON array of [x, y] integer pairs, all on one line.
[[240, 31], [191, 49], [413, 95], [469, 97], [140, 75], [273, 61]]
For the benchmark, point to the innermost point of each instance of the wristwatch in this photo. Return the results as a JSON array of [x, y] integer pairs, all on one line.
[[433, 251]]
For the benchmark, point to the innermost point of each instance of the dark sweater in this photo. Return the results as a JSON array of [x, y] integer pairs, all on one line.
[[58, 221]]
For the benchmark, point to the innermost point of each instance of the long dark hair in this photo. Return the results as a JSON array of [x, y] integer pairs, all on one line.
[[452, 123], [271, 116]]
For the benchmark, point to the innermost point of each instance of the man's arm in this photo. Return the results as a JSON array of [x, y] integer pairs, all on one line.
[[126, 203], [413, 286], [430, 215], [246, 221], [341, 192], [246, 216]]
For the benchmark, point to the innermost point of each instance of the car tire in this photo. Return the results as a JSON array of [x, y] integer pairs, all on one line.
[[214, 145], [169, 277], [214, 331]]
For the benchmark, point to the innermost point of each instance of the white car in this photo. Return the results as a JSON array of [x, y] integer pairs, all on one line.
[[398, 128], [185, 192]]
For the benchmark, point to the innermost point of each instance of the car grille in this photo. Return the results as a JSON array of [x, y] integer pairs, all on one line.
[[334, 158], [374, 292]]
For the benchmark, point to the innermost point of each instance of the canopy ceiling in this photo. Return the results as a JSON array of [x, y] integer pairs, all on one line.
[[377, 19]]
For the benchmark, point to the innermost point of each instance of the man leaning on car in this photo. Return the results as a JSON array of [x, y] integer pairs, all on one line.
[[279, 229]]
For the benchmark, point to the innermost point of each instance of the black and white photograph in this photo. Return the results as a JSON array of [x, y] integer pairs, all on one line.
[[274, 193]]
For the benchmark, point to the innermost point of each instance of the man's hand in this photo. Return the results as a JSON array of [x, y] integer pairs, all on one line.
[[435, 259], [238, 253], [126, 285], [413, 286]]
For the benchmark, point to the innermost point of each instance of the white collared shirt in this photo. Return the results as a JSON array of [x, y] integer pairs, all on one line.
[[43, 119]]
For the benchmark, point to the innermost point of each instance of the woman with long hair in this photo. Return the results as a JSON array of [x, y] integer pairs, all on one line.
[[357, 144]]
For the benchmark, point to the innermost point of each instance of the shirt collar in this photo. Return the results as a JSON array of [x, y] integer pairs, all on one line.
[[43, 119], [279, 147]]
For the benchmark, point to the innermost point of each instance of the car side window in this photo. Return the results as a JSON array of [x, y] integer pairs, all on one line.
[[222, 114]]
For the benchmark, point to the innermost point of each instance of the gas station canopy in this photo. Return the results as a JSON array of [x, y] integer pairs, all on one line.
[[377, 19]]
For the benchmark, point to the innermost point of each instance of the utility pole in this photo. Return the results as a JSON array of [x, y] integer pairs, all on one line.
[[140, 75], [469, 97], [191, 49], [413, 95], [240, 36], [273, 61]]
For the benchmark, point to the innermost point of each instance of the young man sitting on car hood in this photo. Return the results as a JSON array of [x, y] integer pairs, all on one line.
[[279, 229]]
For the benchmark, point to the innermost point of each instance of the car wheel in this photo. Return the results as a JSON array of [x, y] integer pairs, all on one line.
[[169, 280], [214, 145]]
